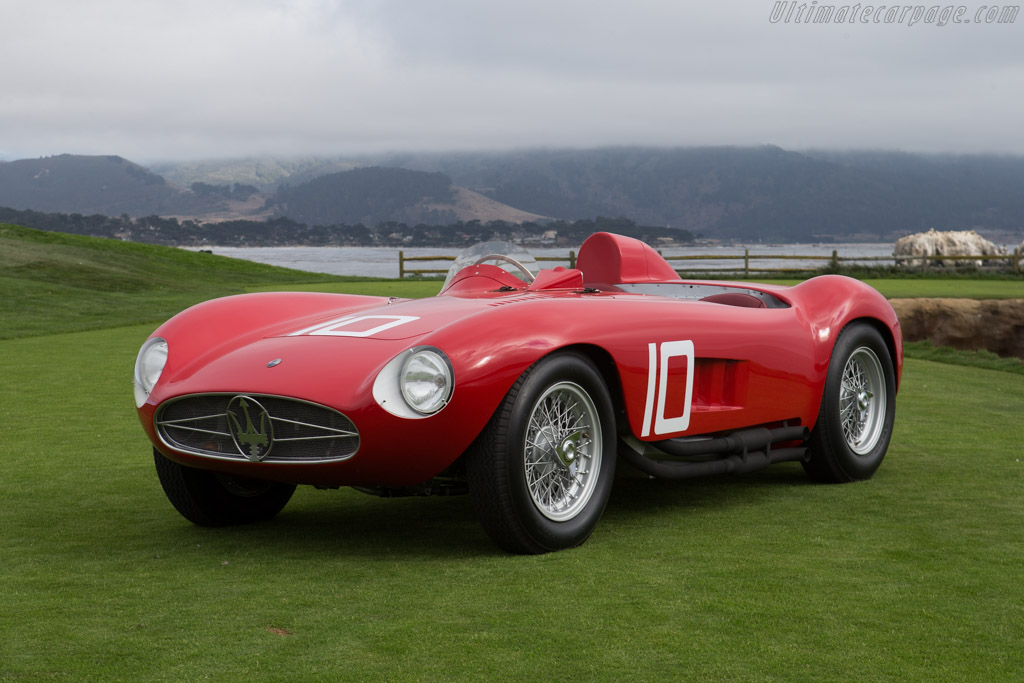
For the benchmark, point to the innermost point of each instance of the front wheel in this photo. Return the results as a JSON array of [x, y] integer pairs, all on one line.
[[212, 499], [541, 472], [857, 411]]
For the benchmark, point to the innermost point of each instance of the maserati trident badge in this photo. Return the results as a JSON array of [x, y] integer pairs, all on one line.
[[251, 428]]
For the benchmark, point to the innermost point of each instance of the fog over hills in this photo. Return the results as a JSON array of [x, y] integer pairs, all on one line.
[[723, 192], [753, 192]]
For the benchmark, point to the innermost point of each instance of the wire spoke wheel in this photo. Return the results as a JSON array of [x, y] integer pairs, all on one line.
[[562, 450], [541, 472], [862, 400], [857, 411]]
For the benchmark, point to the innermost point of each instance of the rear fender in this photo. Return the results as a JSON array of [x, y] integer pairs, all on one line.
[[829, 303]]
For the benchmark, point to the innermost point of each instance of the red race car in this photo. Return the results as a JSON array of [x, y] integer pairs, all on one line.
[[520, 387]]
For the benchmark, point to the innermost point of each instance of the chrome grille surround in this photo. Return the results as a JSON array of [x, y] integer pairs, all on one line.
[[219, 426]]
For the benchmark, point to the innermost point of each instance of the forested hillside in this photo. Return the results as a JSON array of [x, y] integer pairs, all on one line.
[[286, 232], [751, 193], [747, 193], [92, 184], [369, 196]]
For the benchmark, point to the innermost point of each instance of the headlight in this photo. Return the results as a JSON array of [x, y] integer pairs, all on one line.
[[148, 366], [415, 384], [426, 381]]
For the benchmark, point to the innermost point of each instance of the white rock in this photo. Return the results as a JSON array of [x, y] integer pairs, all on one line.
[[947, 243]]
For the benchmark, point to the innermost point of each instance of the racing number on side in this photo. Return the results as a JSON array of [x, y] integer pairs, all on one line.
[[658, 357]]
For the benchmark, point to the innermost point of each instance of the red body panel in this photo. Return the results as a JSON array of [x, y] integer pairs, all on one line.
[[680, 366]]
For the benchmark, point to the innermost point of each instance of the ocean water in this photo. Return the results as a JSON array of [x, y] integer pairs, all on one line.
[[383, 261]]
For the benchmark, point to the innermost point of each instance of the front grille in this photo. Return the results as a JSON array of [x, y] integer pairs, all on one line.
[[257, 428]]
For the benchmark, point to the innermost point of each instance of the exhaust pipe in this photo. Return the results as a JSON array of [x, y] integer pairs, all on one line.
[[741, 452], [742, 441]]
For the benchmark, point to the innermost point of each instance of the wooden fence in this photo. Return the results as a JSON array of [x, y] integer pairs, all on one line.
[[743, 262]]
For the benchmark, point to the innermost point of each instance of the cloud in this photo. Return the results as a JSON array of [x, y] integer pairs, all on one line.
[[190, 79]]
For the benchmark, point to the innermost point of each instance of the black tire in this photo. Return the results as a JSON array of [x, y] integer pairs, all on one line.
[[212, 499], [546, 492], [855, 421]]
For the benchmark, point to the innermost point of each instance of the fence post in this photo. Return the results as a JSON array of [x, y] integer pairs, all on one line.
[[401, 264], [746, 262], [835, 260], [572, 259], [1016, 260]]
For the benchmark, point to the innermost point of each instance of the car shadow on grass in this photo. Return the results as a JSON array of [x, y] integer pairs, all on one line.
[[353, 524], [636, 494]]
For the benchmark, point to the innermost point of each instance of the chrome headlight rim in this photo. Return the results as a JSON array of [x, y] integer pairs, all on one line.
[[435, 365], [391, 393], [149, 366]]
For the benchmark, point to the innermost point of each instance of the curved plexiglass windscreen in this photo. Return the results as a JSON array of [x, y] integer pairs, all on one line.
[[505, 255]]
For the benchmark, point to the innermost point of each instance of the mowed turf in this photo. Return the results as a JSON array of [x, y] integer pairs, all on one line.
[[912, 575], [53, 282]]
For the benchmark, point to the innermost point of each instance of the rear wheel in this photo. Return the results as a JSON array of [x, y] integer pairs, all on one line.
[[541, 472], [857, 411], [211, 499]]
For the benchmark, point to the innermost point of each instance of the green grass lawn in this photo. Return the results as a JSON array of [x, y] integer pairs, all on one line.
[[955, 288], [53, 282], [913, 575]]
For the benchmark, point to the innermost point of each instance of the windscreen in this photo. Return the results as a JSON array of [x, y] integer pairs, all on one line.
[[505, 255]]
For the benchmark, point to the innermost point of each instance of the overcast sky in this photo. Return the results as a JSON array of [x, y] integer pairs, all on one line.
[[188, 79]]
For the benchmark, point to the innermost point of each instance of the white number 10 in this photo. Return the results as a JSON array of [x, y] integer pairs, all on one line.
[[656, 360]]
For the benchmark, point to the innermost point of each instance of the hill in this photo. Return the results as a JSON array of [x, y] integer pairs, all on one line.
[[748, 193], [106, 185], [368, 196], [375, 195], [54, 282], [752, 193], [113, 186]]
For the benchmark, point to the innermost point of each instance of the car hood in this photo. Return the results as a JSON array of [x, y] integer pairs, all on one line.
[[324, 351], [394, 320]]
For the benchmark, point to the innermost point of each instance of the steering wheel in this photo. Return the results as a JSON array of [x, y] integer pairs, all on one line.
[[527, 275]]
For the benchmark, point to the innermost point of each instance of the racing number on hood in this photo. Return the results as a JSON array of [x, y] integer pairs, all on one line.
[[659, 357], [356, 325]]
